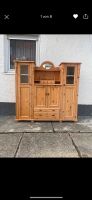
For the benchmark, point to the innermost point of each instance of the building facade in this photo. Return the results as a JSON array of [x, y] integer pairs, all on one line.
[[56, 48]]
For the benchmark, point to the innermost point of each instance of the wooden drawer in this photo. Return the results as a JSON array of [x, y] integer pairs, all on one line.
[[38, 115], [53, 115], [46, 115], [46, 110]]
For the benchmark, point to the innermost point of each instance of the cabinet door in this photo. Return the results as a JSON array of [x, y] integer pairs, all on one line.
[[69, 93], [24, 91], [24, 102], [69, 103], [40, 96], [53, 96]]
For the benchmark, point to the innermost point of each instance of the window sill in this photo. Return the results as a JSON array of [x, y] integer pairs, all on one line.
[[11, 72]]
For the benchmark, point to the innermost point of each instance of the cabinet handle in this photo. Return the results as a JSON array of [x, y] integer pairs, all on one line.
[[47, 93]]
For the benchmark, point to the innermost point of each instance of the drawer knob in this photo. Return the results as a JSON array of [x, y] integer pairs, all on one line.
[[47, 93]]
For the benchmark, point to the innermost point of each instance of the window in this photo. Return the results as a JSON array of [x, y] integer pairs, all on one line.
[[70, 75], [22, 50]]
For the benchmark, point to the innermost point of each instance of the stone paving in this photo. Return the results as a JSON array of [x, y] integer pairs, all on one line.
[[45, 139]]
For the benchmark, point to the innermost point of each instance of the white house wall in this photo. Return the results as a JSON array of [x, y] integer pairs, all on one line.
[[56, 48], [7, 80], [1, 53]]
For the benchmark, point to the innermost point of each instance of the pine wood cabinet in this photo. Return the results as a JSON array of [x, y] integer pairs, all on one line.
[[47, 92]]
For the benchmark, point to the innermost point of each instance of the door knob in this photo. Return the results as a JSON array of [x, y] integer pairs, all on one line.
[[47, 93]]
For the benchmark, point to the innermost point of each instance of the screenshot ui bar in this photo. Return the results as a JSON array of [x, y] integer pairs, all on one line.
[[46, 20]]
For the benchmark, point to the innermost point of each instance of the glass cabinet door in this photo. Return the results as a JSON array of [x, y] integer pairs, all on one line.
[[70, 75], [23, 73]]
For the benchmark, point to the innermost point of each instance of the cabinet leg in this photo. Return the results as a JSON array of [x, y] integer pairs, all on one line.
[[32, 121]]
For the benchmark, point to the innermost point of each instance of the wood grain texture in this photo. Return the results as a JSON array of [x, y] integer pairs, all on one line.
[[47, 95]]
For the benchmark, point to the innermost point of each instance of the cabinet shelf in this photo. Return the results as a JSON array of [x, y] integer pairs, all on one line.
[[47, 82]]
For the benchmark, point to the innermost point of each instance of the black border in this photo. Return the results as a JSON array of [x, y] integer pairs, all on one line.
[[27, 20], [22, 178], [19, 177]]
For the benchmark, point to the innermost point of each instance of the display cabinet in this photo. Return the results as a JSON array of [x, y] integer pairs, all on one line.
[[46, 92]]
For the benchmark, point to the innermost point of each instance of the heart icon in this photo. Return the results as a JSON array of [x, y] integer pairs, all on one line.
[[75, 16]]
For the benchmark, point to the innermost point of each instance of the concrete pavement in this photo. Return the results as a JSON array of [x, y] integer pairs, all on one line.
[[45, 139]]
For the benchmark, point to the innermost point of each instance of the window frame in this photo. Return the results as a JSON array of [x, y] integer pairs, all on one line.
[[21, 37]]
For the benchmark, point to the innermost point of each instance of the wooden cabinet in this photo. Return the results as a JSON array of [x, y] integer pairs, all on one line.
[[46, 92], [24, 90], [71, 73]]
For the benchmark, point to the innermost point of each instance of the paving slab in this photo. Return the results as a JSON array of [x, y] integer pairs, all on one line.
[[84, 119], [38, 127], [8, 124], [46, 145], [83, 142], [70, 127], [9, 144], [3, 119], [11, 126]]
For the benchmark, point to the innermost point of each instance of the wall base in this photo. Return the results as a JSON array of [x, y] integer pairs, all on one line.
[[9, 109]]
